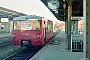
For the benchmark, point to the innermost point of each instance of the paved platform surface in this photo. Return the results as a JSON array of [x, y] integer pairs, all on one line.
[[5, 34], [57, 52]]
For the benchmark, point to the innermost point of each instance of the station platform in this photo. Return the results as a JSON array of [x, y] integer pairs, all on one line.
[[5, 34], [57, 51]]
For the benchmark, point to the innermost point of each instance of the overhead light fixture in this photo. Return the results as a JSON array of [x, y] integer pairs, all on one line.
[[64, 6], [56, 11], [64, 13], [63, 0]]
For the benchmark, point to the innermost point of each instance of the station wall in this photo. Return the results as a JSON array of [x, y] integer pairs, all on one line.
[[6, 27]]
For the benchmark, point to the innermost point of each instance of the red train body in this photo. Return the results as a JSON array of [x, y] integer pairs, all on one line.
[[31, 30]]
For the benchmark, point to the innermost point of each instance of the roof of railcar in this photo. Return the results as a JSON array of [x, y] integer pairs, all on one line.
[[28, 17]]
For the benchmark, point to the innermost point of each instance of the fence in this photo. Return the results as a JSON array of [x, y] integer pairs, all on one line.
[[77, 43]]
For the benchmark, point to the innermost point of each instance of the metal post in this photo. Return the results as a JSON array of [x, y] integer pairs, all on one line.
[[72, 26], [66, 26], [87, 29], [84, 35], [69, 25], [76, 28]]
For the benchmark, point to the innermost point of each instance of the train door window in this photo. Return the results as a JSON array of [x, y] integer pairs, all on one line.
[[47, 25], [26, 25], [16, 25], [36, 25], [44, 24], [51, 25]]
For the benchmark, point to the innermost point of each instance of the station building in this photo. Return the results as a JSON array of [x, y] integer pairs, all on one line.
[[5, 25]]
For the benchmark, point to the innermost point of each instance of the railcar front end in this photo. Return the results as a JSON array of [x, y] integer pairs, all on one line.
[[31, 31]]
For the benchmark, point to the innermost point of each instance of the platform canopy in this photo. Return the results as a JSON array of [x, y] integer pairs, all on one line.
[[25, 7], [60, 8], [7, 13]]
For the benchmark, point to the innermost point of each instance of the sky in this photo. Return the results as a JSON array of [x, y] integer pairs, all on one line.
[[29, 7]]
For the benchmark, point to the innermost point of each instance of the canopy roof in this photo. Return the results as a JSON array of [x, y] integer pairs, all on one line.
[[26, 7]]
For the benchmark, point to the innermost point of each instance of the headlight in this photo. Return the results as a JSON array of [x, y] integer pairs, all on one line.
[[13, 35], [38, 36]]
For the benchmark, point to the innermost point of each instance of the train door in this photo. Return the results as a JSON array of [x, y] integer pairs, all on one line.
[[44, 32]]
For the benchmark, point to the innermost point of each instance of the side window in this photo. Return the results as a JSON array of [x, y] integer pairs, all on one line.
[[49, 25], [16, 25]]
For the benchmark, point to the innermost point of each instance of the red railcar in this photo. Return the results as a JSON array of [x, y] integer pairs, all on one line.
[[31, 30]]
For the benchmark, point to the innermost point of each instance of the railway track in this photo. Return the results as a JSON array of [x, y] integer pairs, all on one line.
[[5, 41], [23, 54], [26, 53]]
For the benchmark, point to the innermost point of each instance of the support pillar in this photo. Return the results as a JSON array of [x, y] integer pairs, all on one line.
[[88, 29], [72, 25], [76, 26], [66, 26], [69, 25]]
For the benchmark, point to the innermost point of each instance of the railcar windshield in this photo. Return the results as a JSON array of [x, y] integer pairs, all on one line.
[[36, 25], [17, 25], [26, 25]]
